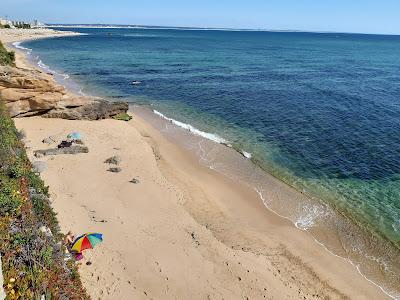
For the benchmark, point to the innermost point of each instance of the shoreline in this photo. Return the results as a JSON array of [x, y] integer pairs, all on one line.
[[272, 181], [24, 35], [105, 26], [11, 39], [323, 235], [171, 171]]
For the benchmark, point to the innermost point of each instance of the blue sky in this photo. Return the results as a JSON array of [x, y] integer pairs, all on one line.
[[367, 16]]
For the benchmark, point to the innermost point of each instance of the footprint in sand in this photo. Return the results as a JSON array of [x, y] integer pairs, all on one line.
[[92, 215]]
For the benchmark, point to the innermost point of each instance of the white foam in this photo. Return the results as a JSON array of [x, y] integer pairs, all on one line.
[[40, 63], [43, 65], [18, 46], [304, 222], [80, 92], [246, 154], [210, 136], [384, 290], [396, 226], [309, 215]]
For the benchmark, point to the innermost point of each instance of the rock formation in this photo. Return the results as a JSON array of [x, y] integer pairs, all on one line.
[[95, 110], [29, 92], [59, 151]]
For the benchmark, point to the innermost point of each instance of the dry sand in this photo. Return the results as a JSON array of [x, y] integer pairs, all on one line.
[[182, 232], [9, 36], [15, 35]]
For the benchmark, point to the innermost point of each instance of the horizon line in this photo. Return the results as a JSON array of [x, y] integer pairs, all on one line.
[[80, 25]]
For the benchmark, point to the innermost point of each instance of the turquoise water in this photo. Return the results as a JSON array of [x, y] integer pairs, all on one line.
[[319, 111]]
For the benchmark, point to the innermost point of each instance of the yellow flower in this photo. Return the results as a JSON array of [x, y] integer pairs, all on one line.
[[12, 279]]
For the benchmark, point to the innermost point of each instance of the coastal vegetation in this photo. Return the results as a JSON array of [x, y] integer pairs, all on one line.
[[31, 246], [123, 117], [23, 26], [19, 26], [6, 57]]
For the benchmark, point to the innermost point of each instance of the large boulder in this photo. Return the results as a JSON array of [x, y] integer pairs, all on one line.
[[95, 110], [28, 92], [39, 166], [60, 151], [11, 77]]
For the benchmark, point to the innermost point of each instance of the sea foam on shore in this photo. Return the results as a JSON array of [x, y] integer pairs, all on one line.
[[329, 228], [210, 136]]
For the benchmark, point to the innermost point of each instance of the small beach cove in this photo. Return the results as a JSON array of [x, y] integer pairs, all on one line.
[[224, 242]]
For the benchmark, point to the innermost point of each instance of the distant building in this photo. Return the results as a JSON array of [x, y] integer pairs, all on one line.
[[20, 24], [36, 24], [5, 22]]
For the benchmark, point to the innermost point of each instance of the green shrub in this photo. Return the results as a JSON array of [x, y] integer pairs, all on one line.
[[47, 256], [6, 57], [24, 26], [123, 117], [8, 205], [32, 259]]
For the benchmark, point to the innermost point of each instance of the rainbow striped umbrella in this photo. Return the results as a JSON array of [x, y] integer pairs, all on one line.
[[87, 241]]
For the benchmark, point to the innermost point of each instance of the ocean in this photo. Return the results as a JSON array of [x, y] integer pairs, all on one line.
[[318, 111]]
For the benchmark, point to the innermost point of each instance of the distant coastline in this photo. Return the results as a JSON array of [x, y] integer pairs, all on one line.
[[122, 26]]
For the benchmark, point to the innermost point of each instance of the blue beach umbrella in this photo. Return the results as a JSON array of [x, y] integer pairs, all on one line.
[[75, 136]]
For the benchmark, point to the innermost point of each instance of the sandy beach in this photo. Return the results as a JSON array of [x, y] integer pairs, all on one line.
[[182, 231], [9, 36], [15, 35]]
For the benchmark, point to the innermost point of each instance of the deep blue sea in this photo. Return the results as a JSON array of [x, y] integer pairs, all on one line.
[[319, 111]]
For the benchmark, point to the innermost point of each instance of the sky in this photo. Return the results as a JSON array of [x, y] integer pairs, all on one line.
[[363, 16]]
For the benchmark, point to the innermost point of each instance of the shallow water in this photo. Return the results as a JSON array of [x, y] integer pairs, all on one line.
[[320, 112]]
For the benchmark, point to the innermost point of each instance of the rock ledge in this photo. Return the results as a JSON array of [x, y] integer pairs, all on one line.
[[27, 92]]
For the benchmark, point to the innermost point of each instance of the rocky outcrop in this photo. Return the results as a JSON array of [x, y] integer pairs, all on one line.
[[29, 92], [59, 151], [96, 110]]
